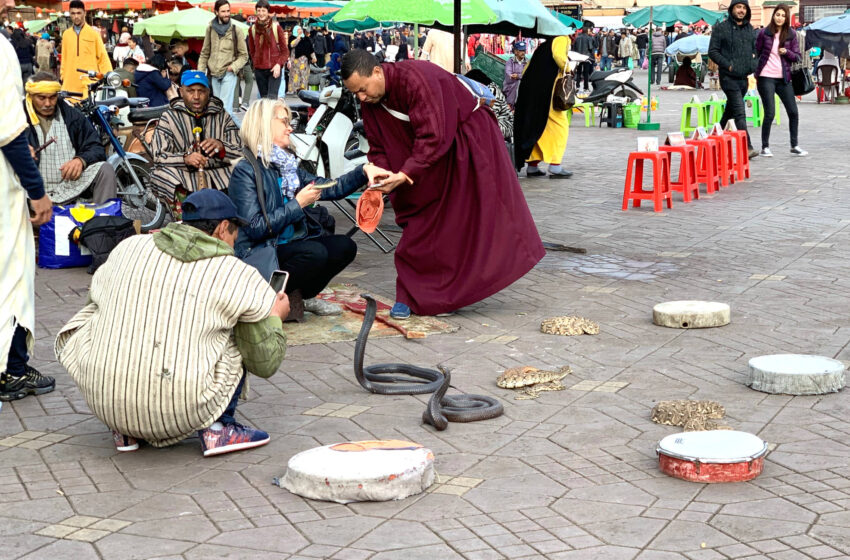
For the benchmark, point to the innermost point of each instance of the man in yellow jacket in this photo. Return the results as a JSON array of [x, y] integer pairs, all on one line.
[[82, 49]]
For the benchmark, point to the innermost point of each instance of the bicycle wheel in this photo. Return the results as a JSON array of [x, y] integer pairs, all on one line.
[[138, 204]]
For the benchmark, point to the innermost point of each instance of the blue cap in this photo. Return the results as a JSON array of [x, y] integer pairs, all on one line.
[[210, 204], [194, 77], [519, 46]]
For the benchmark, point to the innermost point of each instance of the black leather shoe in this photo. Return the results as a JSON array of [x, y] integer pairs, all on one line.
[[537, 173]]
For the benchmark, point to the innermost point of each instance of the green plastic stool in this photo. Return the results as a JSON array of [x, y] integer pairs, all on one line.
[[687, 117], [714, 110], [756, 116], [588, 109]]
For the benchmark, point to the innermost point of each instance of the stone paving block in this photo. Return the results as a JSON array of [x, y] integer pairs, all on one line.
[[87, 535], [56, 531]]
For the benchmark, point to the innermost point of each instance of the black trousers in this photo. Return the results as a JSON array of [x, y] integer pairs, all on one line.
[[767, 88], [584, 70], [312, 263], [735, 90], [267, 84], [657, 67], [18, 356]]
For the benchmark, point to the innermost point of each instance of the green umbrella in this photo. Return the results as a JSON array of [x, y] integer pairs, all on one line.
[[669, 14], [423, 12], [350, 26], [567, 20], [35, 25], [527, 17], [184, 23]]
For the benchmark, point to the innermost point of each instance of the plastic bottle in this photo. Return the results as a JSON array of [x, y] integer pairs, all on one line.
[[654, 103]]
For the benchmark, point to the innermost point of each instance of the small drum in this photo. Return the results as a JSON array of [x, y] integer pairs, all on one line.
[[691, 314], [796, 374], [712, 456], [360, 471]]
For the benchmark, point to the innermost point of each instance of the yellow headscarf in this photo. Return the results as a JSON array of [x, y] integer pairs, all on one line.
[[39, 88]]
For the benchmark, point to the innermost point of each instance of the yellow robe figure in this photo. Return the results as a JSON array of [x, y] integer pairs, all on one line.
[[552, 144], [84, 52]]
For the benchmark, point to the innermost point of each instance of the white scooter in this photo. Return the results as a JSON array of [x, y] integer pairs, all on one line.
[[333, 142]]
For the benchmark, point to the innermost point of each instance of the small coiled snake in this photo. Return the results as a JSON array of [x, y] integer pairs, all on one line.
[[441, 409]]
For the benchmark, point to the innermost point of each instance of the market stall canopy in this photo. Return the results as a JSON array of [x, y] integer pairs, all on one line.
[[349, 27], [35, 25], [423, 12], [527, 17], [830, 33], [184, 23], [668, 14], [690, 45], [567, 20], [113, 5], [306, 8], [236, 8]]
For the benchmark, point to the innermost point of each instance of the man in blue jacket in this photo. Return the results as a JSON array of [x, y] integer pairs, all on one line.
[[732, 48]]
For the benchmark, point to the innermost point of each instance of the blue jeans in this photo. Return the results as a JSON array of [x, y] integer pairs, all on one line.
[[605, 64], [642, 56], [227, 417], [224, 88]]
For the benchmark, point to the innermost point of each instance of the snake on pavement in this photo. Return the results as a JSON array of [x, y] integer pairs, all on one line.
[[406, 379]]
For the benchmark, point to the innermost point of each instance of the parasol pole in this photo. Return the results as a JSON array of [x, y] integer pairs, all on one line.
[[457, 31], [415, 39], [649, 125]]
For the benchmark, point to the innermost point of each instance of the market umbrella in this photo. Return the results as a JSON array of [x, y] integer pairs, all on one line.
[[308, 8], [668, 14], [184, 23], [351, 26], [690, 45], [567, 20], [662, 16], [35, 25], [527, 17], [830, 33], [423, 12]]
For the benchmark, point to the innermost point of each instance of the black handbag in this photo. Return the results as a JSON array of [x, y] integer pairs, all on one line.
[[102, 234], [801, 81], [261, 257]]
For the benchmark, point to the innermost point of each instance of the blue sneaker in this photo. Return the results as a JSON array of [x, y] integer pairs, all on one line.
[[224, 438], [400, 311]]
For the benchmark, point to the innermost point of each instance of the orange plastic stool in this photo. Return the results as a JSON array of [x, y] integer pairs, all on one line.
[[742, 153], [660, 180], [687, 181], [707, 164], [725, 159]]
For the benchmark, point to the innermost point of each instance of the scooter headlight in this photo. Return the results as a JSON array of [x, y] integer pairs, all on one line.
[[113, 79]]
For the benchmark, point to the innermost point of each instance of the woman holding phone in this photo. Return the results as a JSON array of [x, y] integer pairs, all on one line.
[[777, 48], [303, 248]]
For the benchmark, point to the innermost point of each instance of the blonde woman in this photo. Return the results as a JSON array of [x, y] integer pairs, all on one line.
[[311, 255]]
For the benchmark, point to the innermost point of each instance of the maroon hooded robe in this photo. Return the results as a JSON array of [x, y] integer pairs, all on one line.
[[467, 230]]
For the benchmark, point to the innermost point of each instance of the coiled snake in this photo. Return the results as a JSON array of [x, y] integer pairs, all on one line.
[[414, 380]]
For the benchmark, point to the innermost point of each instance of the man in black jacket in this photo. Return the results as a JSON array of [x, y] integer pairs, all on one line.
[[74, 165], [583, 44], [732, 48]]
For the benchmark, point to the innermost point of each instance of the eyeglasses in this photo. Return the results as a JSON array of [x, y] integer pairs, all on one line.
[[284, 120]]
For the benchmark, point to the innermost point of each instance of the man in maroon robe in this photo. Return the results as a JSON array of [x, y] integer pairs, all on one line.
[[467, 232]]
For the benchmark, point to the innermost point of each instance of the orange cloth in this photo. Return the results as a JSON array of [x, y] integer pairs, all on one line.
[[370, 208]]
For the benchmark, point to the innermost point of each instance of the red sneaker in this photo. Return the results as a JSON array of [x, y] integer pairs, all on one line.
[[220, 438]]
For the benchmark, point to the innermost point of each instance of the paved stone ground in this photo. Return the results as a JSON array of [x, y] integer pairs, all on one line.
[[572, 475]]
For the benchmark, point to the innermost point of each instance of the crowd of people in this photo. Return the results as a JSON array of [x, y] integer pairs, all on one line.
[[160, 368]]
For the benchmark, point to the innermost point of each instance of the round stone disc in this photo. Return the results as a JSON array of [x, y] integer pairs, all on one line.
[[691, 314], [360, 471], [796, 374]]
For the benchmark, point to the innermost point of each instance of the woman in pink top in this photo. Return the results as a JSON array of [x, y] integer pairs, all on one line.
[[777, 49]]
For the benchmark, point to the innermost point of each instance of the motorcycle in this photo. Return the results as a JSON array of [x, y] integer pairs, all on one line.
[[616, 82], [131, 170], [333, 141]]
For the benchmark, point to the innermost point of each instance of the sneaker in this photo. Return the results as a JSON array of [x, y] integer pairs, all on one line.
[[765, 152], [31, 383], [321, 307], [400, 311], [243, 106], [220, 438], [798, 151], [753, 153], [124, 443]]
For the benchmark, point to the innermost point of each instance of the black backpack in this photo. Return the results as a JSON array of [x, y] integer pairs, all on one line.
[[101, 234]]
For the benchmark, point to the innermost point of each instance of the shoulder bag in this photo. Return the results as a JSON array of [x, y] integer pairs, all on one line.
[[262, 257], [801, 81], [564, 96]]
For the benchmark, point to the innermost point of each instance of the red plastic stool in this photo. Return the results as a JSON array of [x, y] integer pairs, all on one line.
[[687, 181], [742, 153], [707, 164], [660, 180], [725, 159]]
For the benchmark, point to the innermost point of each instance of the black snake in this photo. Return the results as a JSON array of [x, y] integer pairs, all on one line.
[[415, 380]]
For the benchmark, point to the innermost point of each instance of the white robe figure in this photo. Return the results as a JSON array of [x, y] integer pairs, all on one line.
[[17, 248]]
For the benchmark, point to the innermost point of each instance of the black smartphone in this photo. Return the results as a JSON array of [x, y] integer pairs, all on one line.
[[279, 280]]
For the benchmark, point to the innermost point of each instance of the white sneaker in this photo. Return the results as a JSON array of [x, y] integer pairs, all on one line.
[[798, 151], [765, 152], [321, 307]]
